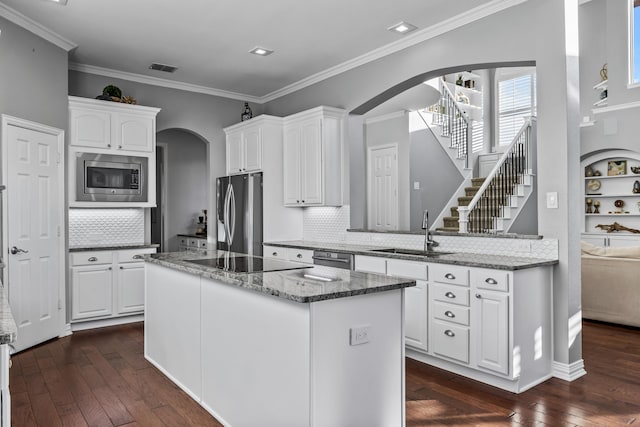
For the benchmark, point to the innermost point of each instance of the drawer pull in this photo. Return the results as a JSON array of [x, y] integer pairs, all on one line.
[[299, 256], [450, 295], [110, 268], [449, 333], [121, 268], [92, 259], [491, 281], [138, 257], [449, 314], [450, 276], [478, 296], [275, 254]]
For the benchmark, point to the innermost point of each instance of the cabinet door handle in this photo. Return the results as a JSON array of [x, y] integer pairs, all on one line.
[[297, 201], [138, 257], [449, 333], [108, 145], [449, 314], [303, 201], [450, 295], [478, 296], [275, 254], [121, 268], [299, 256], [110, 268], [449, 276], [491, 281], [92, 259], [119, 147]]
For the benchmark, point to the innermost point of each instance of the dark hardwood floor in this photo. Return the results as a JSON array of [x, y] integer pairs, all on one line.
[[100, 378]]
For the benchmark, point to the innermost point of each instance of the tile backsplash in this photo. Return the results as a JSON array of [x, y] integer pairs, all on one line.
[[329, 224], [106, 227]]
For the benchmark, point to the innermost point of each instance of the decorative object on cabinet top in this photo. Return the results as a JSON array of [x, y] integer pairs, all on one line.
[[635, 169], [246, 113], [114, 94]]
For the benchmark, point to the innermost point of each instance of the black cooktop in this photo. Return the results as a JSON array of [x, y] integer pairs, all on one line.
[[247, 264]]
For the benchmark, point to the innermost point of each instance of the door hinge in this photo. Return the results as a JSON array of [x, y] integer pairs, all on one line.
[[58, 231]]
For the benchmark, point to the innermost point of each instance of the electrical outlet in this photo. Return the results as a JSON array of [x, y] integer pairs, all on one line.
[[552, 200], [359, 335]]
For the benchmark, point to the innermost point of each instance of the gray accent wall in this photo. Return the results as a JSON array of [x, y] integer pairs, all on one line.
[[439, 178], [33, 77], [186, 184]]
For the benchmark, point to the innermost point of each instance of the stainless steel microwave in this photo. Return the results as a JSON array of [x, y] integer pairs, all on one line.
[[111, 178]]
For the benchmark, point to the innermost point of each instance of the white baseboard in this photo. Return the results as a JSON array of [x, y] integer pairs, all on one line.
[[66, 331], [102, 323], [569, 372]]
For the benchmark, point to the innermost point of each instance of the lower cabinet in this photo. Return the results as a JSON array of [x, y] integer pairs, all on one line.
[[98, 293], [304, 256], [491, 325]]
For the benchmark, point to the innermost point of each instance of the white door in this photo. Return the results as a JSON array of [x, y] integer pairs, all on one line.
[[130, 293], [383, 187], [491, 330], [33, 212]]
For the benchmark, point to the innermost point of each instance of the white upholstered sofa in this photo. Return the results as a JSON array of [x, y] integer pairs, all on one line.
[[611, 284]]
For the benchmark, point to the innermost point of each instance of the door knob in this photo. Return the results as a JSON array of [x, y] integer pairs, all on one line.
[[16, 250]]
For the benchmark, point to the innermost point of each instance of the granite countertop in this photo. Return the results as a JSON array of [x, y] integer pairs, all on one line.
[[497, 262], [110, 247], [288, 284], [8, 329]]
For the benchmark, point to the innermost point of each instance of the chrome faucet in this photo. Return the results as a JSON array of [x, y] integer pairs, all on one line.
[[429, 243]]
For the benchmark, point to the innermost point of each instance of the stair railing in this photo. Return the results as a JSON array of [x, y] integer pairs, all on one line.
[[495, 193], [454, 122]]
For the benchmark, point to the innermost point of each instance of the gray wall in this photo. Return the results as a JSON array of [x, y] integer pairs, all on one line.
[[186, 185], [439, 178], [204, 115], [33, 77], [543, 32]]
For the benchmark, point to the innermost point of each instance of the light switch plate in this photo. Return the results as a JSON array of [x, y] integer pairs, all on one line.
[[552, 200]]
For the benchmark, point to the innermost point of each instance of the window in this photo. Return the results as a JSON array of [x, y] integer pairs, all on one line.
[[635, 41], [516, 101]]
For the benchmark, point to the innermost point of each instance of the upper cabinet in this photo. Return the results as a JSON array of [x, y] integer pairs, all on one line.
[[110, 126], [244, 144], [313, 157]]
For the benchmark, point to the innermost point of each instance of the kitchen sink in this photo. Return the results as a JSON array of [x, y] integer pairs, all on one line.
[[417, 252]]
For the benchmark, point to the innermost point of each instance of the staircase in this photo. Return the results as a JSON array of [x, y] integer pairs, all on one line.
[[451, 223]]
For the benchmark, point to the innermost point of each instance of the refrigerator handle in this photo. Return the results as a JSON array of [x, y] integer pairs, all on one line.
[[232, 214], [225, 215]]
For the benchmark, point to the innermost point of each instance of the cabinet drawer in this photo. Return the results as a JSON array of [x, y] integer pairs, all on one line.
[[409, 269], [192, 243], [370, 264], [183, 241], [494, 280], [450, 341], [450, 313], [91, 258], [134, 255], [450, 294], [452, 274], [274, 252], [203, 244], [300, 255]]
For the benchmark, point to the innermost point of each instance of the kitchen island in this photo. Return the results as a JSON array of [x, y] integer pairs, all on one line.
[[298, 346]]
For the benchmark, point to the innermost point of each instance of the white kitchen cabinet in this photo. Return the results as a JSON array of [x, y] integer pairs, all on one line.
[[191, 243], [245, 142], [313, 157], [491, 330], [91, 291], [114, 127], [304, 256], [98, 293], [611, 241], [5, 397]]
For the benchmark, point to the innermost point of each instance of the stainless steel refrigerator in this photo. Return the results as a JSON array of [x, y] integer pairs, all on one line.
[[239, 216]]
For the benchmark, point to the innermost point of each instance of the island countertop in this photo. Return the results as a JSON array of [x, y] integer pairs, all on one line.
[[8, 330], [305, 285], [498, 262]]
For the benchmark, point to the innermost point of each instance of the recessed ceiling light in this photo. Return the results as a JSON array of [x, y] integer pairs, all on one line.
[[62, 2], [261, 51], [402, 28]]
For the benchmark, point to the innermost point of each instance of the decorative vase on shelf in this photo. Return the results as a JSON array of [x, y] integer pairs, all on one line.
[[459, 81], [636, 187], [246, 113]]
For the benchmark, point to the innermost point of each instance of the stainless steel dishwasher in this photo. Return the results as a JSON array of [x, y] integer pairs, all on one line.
[[333, 259]]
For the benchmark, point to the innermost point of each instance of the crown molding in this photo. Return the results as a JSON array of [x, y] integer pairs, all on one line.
[[412, 39], [36, 28], [155, 81]]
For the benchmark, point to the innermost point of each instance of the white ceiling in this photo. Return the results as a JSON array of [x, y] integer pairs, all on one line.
[[209, 40]]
